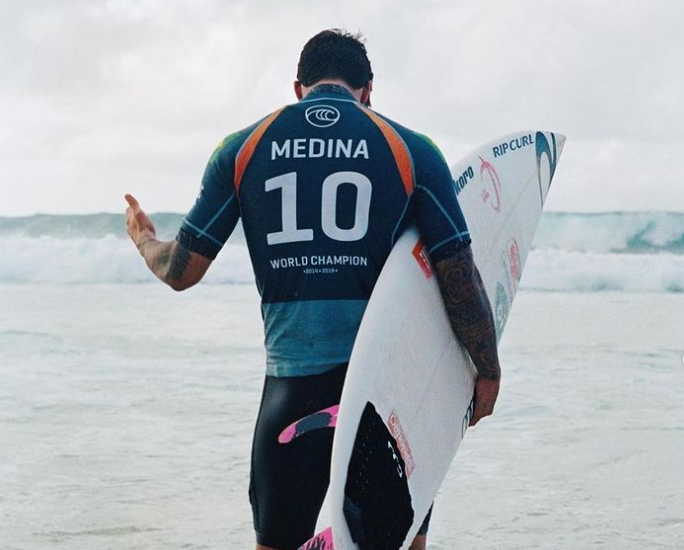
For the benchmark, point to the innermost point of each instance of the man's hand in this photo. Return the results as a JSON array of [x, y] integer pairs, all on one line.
[[138, 224], [171, 262], [486, 392]]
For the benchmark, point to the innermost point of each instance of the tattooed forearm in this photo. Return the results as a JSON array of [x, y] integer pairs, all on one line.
[[469, 310], [159, 260], [167, 260], [180, 260]]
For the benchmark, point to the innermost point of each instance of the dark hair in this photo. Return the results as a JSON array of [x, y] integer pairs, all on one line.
[[335, 54]]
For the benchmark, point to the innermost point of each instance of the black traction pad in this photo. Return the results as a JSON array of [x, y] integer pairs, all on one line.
[[377, 502]]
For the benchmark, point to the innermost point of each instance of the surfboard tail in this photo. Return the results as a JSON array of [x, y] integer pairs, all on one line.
[[321, 541]]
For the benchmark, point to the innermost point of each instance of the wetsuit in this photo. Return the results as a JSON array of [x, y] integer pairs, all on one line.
[[324, 188]]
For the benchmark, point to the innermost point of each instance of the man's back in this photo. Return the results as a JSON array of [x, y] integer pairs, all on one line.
[[324, 188]]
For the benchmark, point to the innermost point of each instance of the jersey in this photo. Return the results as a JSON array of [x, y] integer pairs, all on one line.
[[324, 188]]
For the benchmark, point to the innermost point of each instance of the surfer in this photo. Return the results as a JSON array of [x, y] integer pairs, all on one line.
[[317, 184]]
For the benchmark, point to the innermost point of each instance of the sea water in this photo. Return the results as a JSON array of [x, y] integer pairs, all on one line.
[[127, 410]]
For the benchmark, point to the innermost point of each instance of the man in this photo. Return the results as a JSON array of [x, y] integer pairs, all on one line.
[[324, 188]]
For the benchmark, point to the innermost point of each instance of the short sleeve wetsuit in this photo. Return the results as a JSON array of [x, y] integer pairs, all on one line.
[[324, 188]]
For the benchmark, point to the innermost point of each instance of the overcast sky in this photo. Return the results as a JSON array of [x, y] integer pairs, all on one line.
[[99, 98]]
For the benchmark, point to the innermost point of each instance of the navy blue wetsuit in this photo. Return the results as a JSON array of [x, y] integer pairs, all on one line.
[[324, 188]]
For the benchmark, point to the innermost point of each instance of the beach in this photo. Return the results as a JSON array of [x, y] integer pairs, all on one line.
[[126, 415], [127, 410]]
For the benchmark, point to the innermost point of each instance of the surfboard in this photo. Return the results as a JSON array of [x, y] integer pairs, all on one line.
[[408, 395]]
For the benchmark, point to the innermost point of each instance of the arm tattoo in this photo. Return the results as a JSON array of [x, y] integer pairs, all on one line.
[[469, 310], [180, 260], [160, 261], [168, 260]]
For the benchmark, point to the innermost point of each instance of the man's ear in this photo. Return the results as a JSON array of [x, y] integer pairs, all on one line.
[[366, 93], [298, 89]]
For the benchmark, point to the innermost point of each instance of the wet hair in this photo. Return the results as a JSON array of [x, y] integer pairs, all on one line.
[[335, 54]]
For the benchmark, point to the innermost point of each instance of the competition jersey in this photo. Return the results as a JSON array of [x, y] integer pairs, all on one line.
[[324, 188]]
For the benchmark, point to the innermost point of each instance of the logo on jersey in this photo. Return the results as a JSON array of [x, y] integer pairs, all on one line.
[[322, 116], [421, 256]]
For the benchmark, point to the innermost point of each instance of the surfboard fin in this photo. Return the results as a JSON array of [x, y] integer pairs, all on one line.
[[322, 541], [326, 418]]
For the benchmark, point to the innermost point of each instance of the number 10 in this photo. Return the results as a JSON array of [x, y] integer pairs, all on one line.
[[291, 233]]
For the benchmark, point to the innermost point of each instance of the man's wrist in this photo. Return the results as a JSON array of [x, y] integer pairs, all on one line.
[[144, 238], [490, 372]]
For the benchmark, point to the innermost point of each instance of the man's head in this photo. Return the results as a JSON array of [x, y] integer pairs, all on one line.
[[335, 56]]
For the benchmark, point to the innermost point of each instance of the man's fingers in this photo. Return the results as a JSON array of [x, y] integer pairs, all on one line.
[[486, 393], [479, 414], [130, 199]]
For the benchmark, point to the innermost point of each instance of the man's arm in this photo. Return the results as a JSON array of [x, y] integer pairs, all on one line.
[[471, 318], [170, 261]]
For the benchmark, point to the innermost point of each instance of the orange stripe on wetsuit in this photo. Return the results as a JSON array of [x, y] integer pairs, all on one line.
[[249, 146], [398, 148]]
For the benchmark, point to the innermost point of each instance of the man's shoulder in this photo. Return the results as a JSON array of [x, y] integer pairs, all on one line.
[[229, 146], [422, 147]]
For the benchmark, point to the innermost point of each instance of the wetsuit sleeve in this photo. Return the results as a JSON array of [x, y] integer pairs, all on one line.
[[212, 219], [437, 212]]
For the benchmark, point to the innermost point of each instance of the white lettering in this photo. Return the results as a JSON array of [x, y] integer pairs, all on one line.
[[305, 261], [343, 149], [361, 208], [277, 151], [290, 233], [316, 148], [361, 149], [299, 149]]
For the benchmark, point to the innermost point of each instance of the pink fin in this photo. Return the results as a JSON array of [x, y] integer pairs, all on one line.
[[327, 418], [322, 541]]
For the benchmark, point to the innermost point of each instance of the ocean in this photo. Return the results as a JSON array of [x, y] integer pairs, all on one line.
[[621, 251], [127, 410]]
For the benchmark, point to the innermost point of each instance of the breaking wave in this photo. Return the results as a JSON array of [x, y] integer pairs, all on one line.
[[624, 251]]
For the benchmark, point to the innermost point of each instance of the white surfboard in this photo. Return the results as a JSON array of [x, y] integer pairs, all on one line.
[[407, 399]]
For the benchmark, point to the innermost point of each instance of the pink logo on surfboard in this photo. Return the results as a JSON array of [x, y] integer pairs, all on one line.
[[491, 185], [402, 442], [322, 541], [514, 259]]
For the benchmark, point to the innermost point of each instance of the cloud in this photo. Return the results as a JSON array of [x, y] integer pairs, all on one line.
[[100, 97]]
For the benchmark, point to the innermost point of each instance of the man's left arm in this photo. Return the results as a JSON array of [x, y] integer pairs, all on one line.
[[170, 261], [445, 233], [472, 321]]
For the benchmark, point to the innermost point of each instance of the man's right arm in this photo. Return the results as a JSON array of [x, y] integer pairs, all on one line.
[[470, 315]]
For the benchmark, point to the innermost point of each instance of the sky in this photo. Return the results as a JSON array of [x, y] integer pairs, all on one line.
[[103, 97]]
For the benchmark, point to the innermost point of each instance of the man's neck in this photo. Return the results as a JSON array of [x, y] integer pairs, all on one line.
[[340, 83]]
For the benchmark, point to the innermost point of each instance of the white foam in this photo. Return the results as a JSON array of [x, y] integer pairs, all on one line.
[[589, 271], [612, 232], [113, 260], [104, 260]]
